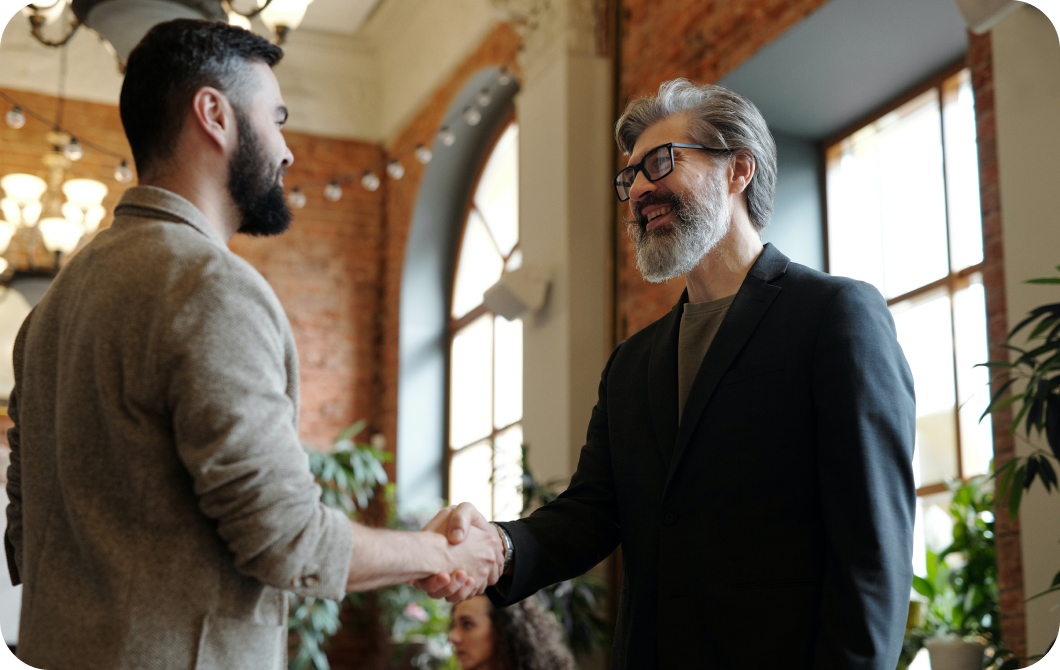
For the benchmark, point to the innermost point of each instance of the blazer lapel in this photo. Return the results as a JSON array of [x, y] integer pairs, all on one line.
[[662, 380], [752, 301]]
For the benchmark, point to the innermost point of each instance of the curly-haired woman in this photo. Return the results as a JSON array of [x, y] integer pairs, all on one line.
[[520, 637]]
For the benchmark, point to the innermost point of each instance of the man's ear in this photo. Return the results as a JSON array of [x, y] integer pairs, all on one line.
[[214, 115], [741, 171]]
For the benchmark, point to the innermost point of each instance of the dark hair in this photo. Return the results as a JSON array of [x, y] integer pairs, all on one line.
[[169, 65], [526, 637]]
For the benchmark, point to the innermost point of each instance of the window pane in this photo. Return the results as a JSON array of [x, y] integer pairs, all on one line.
[[508, 386], [508, 475], [962, 171], [469, 477], [933, 528], [969, 312], [471, 389], [480, 267], [496, 195], [926, 336], [886, 200]]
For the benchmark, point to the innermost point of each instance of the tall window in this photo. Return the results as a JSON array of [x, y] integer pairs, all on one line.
[[486, 351], [903, 215]]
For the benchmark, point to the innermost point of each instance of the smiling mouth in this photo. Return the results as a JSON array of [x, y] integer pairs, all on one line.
[[659, 212]]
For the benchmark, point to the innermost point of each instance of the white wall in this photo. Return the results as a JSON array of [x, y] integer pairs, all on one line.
[[1027, 89]]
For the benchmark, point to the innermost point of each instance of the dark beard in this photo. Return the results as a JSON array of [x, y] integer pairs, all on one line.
[[262, 206]]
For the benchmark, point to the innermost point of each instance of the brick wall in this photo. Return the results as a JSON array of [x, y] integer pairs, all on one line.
[[324, 269], [1009, 557], [703, 41]]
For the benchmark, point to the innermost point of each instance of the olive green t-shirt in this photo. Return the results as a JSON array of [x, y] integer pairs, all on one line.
[[699, 325]]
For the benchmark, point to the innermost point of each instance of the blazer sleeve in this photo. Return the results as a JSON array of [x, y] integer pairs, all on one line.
[[13, 534], [576, 531], [235, 428], [866, 427]]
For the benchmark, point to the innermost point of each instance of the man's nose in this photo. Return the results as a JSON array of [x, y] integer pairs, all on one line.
[[641, 186], [288, 157]]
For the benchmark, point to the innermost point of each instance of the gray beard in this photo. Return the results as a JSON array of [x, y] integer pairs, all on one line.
[[700, 221]]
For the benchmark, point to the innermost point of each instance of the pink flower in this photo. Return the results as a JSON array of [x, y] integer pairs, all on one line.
[[414, 611]]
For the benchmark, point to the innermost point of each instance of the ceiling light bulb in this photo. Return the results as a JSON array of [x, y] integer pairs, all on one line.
[[297, 199], [484, 98], [74, 151], [285, 13], [332, 192], [446, 136], [23, 187], [15, 118], [472, 116], [93, 217], [396, 170], [505, 77], [72, 212], [423, 154], [123, 174], [236, 19], [61, 235], [85, 192], [11, 211], [370, 182]]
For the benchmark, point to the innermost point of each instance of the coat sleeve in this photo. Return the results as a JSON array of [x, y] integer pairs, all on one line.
[[576, 531], [235, 428], [866, 427], [13, 534]]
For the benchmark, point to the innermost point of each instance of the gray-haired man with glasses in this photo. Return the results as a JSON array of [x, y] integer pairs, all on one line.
[[751, 450]]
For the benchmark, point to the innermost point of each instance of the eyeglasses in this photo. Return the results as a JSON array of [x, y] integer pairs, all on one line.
[[655, 165]]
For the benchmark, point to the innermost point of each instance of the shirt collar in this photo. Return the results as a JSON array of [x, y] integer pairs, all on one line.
[[152, 202]]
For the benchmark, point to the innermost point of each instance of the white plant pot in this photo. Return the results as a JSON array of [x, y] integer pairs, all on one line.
[[954, 654]]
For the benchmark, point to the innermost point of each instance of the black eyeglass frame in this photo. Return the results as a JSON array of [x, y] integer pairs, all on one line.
[[639, 167]]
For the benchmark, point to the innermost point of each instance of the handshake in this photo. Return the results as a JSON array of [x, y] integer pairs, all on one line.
[[475, 554]]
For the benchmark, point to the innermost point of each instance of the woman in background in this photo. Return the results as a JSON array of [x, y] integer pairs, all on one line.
[[520, 637]]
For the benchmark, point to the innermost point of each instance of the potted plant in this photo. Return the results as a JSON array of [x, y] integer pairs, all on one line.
[[962, 626]]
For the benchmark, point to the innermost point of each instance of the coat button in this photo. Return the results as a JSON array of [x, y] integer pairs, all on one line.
[[311, 581], [670, 518]]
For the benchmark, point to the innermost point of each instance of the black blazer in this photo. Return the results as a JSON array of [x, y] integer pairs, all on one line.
[[772, 528]]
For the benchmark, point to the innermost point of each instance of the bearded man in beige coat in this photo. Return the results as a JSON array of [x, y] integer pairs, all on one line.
[[161, 504]]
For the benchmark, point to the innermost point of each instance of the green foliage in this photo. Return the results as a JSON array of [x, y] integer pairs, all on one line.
[[348, 476], [961, 583], [1038, 367]]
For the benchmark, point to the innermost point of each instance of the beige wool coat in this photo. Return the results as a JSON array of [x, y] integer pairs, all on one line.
[[161, 503]]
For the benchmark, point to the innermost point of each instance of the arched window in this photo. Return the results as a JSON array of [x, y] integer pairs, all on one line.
[[486, 350]]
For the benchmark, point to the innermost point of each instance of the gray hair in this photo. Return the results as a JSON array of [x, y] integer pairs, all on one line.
[[718, 118]]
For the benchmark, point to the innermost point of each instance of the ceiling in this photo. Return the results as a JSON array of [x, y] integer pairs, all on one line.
[[846, 59], [344, 17]]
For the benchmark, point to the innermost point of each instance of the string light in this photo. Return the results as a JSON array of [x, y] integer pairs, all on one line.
[[15, 118], [123, 174], [332, 192], [74, 151], [370, 181], [472, 116], [395, 169]]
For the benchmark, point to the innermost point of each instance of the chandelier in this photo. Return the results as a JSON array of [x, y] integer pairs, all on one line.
[[56, 212], [122, 23]]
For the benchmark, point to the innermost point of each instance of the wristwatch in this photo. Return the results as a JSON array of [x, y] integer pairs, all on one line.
[[506, 542]]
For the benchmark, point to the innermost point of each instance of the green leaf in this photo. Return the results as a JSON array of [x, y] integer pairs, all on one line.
[[1048, 474], [1019, 417], [1056, 580], [1043, 280], [1005, 482], [1032, 472], [923, 587], [1042, 326], [994, 364], [1015, 494], [352, 431]]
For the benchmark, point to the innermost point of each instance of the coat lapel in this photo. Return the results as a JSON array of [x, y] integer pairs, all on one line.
[[752, 301], [662, 380]]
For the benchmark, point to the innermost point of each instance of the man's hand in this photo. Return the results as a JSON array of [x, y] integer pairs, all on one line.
[[459, 523]]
